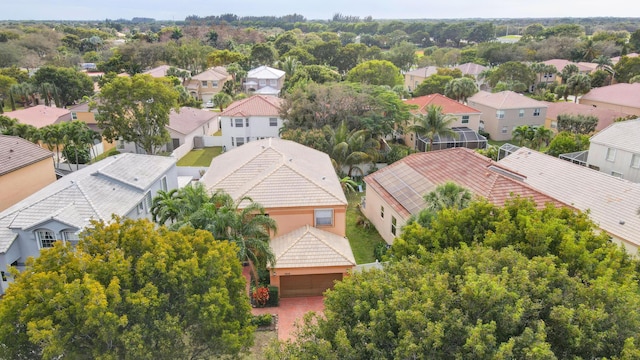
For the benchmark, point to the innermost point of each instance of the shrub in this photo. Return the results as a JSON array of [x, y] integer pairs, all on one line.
[[274, 298], [262, 320], [260, 296], [380, 250]]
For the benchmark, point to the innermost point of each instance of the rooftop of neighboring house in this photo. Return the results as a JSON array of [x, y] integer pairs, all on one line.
[[17, 153], [623, 135], [276, 173], [471, 68], [215, 73], [618, 94], [267, 90], [256, 105], [40, 115], [114, 185], [612, 202], [188, 119], [504, 100], [265, 72], [561, 63], [616, 59], [423, 72], [448, 106], [605, 116], [404, 183], [160, 71]]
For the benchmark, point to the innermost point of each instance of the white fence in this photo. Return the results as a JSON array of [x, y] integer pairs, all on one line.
[[210, 141], [195, 172], [182, 150]]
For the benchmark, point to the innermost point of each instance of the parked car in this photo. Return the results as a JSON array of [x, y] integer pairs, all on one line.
[[209, 104]]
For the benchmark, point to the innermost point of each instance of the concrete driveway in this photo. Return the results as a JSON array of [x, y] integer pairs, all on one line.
[[290, 311]]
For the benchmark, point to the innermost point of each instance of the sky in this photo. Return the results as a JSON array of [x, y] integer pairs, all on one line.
[[310, 9]]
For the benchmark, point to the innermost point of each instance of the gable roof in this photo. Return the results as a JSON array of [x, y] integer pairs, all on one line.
[[161, 71], [404, 183], [504, 100], [448, 106], [619, 94], [559, 64], [17, 153], [276, 173], [624, 135], [267, 90], [265, 72], [256, 105], [189, 119], [311, 247], [605, 116], [39, 115], [423, 72], [471, 68], [114, 185], [617, 59], [612, 202], [214, 73]]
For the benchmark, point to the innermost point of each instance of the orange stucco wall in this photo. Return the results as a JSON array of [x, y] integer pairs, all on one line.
[[291, 218], [277, 273], [23, 182], [625, 109]]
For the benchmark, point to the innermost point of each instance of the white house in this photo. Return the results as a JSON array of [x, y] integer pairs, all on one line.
[[254, 118], [265, 80], [616, 150]]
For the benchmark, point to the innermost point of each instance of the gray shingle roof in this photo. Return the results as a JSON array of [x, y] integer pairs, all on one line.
[[16, 153], [311, 247]]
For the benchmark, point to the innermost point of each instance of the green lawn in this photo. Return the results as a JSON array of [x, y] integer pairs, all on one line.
[[363, 240], [200, 157], [498, 143]]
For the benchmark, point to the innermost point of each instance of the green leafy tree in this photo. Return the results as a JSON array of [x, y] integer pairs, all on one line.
[[136, 109], [375, 72], [71, 84], [402, 55], [512, 71], [568, 71], [461, 89], [579, 84], [562, 92], [225, 57], [434, 84], [627, 68], [5, 86], [433, 123], [566, 142], [350, 148], [129, 290], [447, 196], [577, 124], [263, 54], [222, 100], [523, 135]]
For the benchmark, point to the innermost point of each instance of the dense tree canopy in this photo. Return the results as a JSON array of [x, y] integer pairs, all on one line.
[[376, 72], [70, 84]]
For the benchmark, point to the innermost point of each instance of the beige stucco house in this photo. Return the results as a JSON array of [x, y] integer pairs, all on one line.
[[415, 77], [300, 190], [620, 97], [208, 83], [40, 115], [605, 116]]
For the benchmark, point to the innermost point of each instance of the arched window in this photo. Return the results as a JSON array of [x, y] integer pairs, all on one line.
[[46, 238], [70, 236]]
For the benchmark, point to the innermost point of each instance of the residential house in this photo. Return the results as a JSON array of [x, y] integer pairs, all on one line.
[[208, 83], [612, 203], [264, 80], [299, 189], [185, 125], [559, 64], [415, 77], [616, 150], [620, 97], [24, 169], [396, 192], [123, 185], [504, 111], [82, 113], [40, 115], [466, 123], [254, 118], [161, 71], [471, 69], [615, 60], [605, 116]]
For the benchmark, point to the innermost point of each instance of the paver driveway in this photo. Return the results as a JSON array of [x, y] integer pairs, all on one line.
[[290, 311]]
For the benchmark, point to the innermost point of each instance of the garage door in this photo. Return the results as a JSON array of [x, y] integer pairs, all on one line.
[[306, 285]]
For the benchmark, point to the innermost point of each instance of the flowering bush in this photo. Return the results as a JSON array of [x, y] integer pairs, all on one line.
[[260, 296]]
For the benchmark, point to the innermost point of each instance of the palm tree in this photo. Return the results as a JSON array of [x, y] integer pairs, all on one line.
[[348, 185], [222, 100], [603, 62], [541, 135], [523, 135], [165, 206], [568, 71], [460, 89], [448, 196], [52, 136], [579, 84], [350, 148], [289, 65], [433, 123]]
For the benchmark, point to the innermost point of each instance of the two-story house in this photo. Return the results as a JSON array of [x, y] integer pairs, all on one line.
[[415, 77], [504, 111], [605, 116], [123, 185], [616, 150], [559, 64], [299, 189], [40, 115], [254, 118], [208, 83], [621, 97], [264, 80]]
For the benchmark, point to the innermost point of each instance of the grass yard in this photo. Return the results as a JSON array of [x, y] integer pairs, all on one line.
[[498, 143], [261, 342], [362, 240], [200, 157]]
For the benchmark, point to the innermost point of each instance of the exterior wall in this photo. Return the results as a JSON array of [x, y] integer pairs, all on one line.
[[278, 84], [207, 129], [372, 210], [632, 249], [621, 164], [258, 128], [411, 82], [621, 108], [205, 93], [23, 182], [275, 279], [292, 218], [511, 120]]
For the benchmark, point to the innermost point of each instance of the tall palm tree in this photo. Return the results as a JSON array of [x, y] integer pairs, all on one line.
[[541, 136], [460, 89], [523, 135], [222, 100], [433, 123], [579, 84], [350, 148], [603, 62], [52, 136], [165, 206], [289, 65]]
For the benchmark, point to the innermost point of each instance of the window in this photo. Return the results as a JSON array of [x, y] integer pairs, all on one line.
[[70, 237], [273, 82], [147, 200], [465, 119], [635, 161], [393, 225], [233, 143], [231, 122], [204, 83], [323, 217], [521, 113], [382, 211], [504, 130], [248, 138], [500, 114], [239, 141], [554, 124], [140, 207], [481, 125], [4, 275], [246, 122], [74, 116], [239, 122], [263, 82], [611, 154], [273, 121], [46, 238], [120, 144], [214, 83], [163, 184], [536, 112], [616, 174]]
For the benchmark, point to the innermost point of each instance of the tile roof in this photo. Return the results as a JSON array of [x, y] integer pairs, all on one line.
[[16, 153], [214, 73], [267, 90], [505, 100], [605, 116], [276, 173], [265, 72], [448, 106], [618, 94], [471, 68], [612, 202], [39, 115], [559, 64], [624, 135], [160, 71], [616, 59], [311, 247], [404, 183], [423, 72], [189, 119], [256, 105], [114, 185]]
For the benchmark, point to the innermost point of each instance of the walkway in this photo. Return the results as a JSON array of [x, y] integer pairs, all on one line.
[[290, 311]]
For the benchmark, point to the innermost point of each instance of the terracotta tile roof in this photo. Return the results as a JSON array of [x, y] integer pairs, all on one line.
[[605, 116], [311, 247], [449, 106], [189, 119], [559, 64], [471, 68], [616, 59], [40, 115], [612, 202], [420, 173], [16, 153], [618, 94], [624, 135], [256, 105], [265, 72], [215, 73], [276, 173], [505, 100], [160, 71], [424, 72]]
